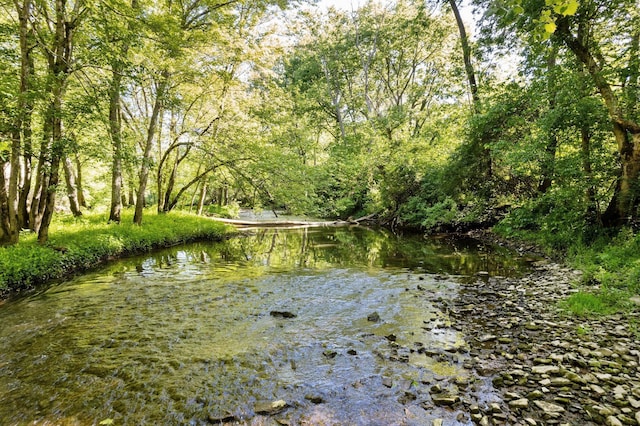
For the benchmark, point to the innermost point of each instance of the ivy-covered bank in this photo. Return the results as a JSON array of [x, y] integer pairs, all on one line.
[[78, 244]]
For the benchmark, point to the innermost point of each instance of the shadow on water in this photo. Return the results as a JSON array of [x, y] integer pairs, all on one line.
[[312, 326]]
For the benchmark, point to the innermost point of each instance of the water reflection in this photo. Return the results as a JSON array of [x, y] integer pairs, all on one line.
[[185, 336], [318, 248]]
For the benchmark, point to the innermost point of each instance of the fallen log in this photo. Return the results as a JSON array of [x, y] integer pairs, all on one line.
[[280, 223]]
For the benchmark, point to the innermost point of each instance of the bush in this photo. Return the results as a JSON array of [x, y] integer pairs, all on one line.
[[417, 212]]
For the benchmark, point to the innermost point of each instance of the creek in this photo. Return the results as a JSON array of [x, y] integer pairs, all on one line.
[[322, 326]]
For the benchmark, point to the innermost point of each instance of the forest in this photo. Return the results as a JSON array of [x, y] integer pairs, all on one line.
[[524, 114]]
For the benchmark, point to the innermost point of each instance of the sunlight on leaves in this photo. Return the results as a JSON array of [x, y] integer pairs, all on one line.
[[106, 422]]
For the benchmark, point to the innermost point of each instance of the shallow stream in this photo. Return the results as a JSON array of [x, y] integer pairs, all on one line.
[[321, 326]]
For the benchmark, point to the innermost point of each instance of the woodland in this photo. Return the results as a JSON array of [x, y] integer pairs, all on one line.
[[524, 114]]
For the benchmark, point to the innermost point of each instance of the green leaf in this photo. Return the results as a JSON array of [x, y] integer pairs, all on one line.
[[571, 7], [550, 27], [106, 422]]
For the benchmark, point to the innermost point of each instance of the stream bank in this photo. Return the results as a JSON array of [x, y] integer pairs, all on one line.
[[549, 368]]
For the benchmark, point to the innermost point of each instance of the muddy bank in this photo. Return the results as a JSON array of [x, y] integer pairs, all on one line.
[[549, 368]]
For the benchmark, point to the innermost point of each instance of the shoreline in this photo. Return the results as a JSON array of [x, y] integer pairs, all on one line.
[[549, 367]]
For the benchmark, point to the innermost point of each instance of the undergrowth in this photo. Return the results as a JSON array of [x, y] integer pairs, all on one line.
[[610, 264]]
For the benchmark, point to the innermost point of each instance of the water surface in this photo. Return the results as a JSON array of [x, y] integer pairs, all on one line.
[[333, 321]]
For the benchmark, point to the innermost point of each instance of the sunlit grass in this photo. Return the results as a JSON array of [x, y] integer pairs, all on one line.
[[594, 304], [78, 244]]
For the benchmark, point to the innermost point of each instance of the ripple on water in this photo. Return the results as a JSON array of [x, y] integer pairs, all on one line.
[[185, 336]]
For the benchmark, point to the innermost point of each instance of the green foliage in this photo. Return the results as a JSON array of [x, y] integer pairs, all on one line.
[[613, 264], [230, 211], [81, 243], [429, 216], [590, 304], [555, 220]]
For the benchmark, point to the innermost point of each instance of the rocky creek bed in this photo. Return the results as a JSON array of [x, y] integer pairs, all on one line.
[[549, 368]]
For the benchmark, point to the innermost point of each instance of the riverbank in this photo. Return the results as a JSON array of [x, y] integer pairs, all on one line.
[[79, 244], [550, 367]]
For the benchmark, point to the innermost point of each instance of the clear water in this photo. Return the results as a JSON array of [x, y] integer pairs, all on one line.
[[188, 336]]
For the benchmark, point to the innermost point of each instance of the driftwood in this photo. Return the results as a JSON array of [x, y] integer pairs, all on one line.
[[279, 223], [276, 223]]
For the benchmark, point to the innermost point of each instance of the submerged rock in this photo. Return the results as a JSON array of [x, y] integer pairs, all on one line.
[[282, 314], [373, 317], [270, 407]]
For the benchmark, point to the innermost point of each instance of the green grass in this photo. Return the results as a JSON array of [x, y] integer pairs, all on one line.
[[77, 244], [589, 304]]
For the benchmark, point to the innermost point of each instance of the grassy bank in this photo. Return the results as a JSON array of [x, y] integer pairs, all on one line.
[[79, 244], [610, 282]]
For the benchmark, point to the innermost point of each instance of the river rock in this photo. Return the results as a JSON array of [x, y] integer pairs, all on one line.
[[613, 421], [550, 409], [545, 369], [270, 407], [282, 314], [373, 317], [444, 399], [329, 353], [558, 382], [522, 403]]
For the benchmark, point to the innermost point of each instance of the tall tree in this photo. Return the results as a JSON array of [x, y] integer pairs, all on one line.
[[56, 34]]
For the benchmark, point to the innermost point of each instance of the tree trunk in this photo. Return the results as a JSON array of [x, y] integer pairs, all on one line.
[[131, 197], [35, 212], [115, 129], [549, 156], [151, 132], [5, 225], [466, 53], [51, 175], [170, 185], [13, 211], [593, 214], [79, 182], [623, 204], [72, 189], [485, 162], [203, 195], [335, 95], [59, 57]]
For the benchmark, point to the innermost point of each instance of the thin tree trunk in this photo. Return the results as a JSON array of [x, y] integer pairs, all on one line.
[[590, 192], [5, 226], [466, 53], [79, 182], [115, 129], [170, 185], [72, 188], [146, 158], [52, 175], [131, 197], [549, 156], [203, 195], [35, 211], [485, 161], [334, 94]]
